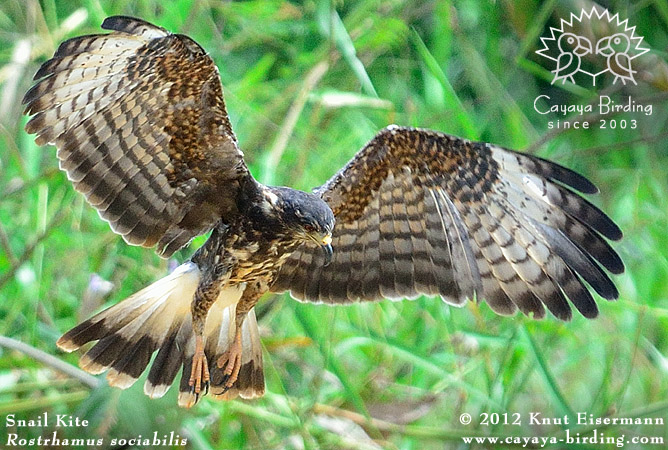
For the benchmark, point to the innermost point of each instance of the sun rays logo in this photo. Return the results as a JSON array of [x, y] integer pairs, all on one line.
[[592, 44]]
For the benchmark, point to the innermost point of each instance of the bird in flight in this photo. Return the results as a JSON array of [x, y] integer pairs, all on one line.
[[141, 130]]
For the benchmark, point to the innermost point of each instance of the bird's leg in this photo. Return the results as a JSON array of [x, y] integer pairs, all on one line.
[[215, 269], [230, 361], [206, 294], [199, 372]]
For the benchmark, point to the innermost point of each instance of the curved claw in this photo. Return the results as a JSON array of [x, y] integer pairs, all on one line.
[[199, 372], [230, 362]]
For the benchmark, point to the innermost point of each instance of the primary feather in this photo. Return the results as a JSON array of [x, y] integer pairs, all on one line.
[[421, 212]]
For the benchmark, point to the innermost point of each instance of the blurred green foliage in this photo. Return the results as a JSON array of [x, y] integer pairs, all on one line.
[[307, 84]]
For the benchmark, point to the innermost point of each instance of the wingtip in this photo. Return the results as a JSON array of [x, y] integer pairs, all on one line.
[[121, 23], [615, 233], [133, 25], [617, 269], [573, 179], [591, 313]]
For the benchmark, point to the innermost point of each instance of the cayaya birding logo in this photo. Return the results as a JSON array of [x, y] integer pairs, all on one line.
[[592, 44]]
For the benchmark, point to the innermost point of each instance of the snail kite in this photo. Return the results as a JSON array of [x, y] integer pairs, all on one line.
[[140, 124]]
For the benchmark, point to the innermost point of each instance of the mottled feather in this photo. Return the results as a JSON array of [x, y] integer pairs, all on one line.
[[421, 212], [139, 120]]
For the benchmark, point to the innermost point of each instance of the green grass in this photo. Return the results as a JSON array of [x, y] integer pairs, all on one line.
[[307, 84]]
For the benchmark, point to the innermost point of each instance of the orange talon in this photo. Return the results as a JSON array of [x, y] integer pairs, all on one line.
[[231, 362], [199, 373]]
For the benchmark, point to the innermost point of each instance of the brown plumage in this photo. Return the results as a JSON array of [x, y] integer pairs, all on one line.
[[420, 212], [151, 149], [140, 124]]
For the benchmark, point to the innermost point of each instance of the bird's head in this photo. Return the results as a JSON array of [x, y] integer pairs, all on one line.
[[306, 216], [609, 45], [580, 45]]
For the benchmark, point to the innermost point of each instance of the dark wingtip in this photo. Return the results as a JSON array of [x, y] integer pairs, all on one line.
[[29, 96], [590, 313], [619, 268], [614, 233], [561, 311], [128, 24], [613, 263], [585, 304], [600, 222], [563, 174], [35, 124], [120, 23], [607, 290], [573, 179], [42, 71], [581, 298]]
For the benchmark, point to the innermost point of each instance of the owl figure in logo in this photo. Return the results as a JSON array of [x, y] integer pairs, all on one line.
[[616, 49], [568, 62]]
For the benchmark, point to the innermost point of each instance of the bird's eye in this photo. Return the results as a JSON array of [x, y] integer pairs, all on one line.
[[571, 40], [309, 228], [617, 40]]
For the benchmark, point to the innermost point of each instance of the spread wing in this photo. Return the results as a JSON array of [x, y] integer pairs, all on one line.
[[141, 128], [420, 212]]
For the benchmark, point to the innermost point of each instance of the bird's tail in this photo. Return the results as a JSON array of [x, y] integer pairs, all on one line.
[[158, 318]]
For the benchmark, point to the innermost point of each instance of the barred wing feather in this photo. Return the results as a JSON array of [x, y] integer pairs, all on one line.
[[420, 212]]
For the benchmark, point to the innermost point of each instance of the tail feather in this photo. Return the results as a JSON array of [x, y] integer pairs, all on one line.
[[125, 371], [187, 398], [101, 355], [176, 290], [252, 385], [169, 360], [158, 318]]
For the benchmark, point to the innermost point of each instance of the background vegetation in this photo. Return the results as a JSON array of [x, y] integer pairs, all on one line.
[[307, 84]]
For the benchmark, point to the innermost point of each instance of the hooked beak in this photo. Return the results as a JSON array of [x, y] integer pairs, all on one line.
[[603, 47], [583, 47], [326, 245]]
